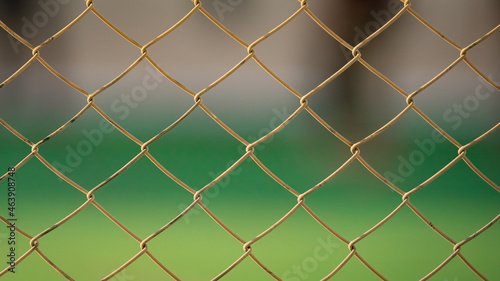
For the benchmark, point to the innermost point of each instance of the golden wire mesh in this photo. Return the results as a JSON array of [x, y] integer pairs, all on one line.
[[354, 147]]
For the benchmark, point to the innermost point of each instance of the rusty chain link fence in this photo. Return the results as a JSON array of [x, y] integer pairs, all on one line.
[[354, 146]]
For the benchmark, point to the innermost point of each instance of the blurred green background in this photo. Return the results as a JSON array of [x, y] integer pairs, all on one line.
[[90, 246]]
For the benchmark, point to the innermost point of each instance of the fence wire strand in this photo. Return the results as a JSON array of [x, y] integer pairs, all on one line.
[[353, 146]]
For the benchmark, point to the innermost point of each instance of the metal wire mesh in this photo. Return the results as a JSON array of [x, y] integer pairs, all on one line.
[[302, 99]]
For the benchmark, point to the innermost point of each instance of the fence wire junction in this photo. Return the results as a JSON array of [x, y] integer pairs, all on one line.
[[302, 98]]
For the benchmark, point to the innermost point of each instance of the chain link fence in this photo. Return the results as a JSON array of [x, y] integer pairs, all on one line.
[[302, 107]]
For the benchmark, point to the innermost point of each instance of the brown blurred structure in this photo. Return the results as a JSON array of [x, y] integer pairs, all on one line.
[[350, 19]]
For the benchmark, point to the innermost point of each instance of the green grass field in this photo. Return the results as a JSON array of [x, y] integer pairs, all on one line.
[[90, 246]]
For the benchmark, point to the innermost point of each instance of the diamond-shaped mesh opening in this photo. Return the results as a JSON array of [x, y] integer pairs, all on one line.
[[272, 108], [404, 233], [468, 109], [197, 38], [22, 104], [312, 252]]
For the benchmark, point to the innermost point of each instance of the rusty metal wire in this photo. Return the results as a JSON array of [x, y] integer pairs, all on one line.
[[354, 147]]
